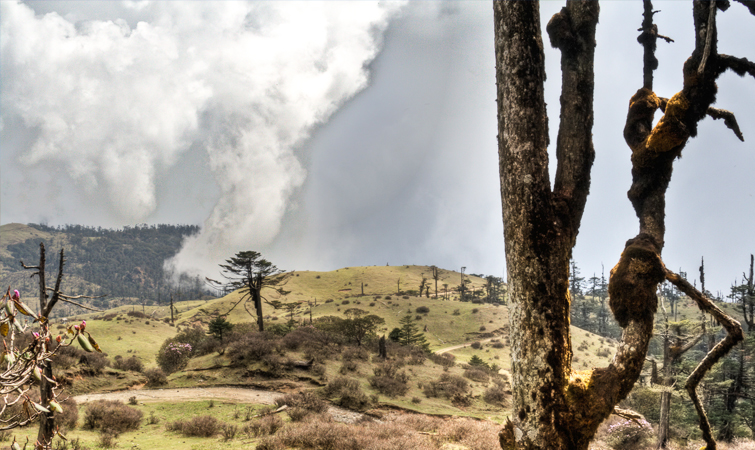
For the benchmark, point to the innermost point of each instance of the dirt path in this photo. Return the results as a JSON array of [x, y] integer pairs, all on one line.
[[238, 395], [466, 344], [234, 394]]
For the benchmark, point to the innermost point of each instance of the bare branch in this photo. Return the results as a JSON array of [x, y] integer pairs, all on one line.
[[708, 36], [749, 4], [629, 414], [729, 120], [733, 336], [740, 66]]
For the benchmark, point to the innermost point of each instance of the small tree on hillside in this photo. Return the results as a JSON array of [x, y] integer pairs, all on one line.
[[220, 327], [248, 272], [360, 325], [410, 335]]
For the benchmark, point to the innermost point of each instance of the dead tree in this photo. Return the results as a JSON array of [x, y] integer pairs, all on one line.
[[25, 368], [553, 406]]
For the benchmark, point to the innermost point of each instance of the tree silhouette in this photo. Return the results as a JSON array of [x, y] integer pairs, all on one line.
[[249, 273]]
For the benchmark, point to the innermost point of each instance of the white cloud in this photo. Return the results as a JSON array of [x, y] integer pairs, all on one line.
[[116, 104]]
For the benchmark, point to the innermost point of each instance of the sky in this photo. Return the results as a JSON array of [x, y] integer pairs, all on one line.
[[328, 135]]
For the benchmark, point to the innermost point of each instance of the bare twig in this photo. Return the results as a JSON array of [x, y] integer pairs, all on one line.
[[729, 120]]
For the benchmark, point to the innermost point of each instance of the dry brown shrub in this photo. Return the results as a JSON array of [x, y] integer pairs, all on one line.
[[477, 374], [112, 416], [264, 426], [306, 400]]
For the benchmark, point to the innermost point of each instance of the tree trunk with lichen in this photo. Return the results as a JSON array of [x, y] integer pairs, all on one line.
[[554, 407]]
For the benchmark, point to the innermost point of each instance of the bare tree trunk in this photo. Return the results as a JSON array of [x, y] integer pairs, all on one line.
[[257, 299]]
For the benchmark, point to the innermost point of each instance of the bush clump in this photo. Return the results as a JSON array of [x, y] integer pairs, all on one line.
[[264, 426], [111, 416], [70, 415], [389, 381], [628, 435], [155, 377], [496, 394], [305, 400], [443, 359], [132, 364], [201, 426], [251, 347], [447, 386], [173, 356], [477, 374], [347, 393], [423, 310]]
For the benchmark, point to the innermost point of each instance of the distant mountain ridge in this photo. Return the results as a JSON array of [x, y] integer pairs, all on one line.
[[125, 262]]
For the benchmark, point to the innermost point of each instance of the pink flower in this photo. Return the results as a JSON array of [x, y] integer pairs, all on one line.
[[16, 295], [36, 335]]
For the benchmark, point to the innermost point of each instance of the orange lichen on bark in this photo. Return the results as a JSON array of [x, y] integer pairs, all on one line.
[[633, 281], [670, 132], [646, 141]]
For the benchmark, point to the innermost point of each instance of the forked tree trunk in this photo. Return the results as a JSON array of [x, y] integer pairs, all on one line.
[[555, 408]]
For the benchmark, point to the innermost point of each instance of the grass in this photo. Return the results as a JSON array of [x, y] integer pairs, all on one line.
[[127, 336]]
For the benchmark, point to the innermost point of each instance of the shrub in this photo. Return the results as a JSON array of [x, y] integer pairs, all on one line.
[[443, 359], [389, 381], [201, 426], [95, 362], [476, 345], [155, 377], [456, 312], [207, 346], [477, 374], [107, 439], [447, 386], [306, 337], [358, 353], [482, 328], [192, 336], [628, 435], [132, 364], [264, 426], [475, 310], [347, 393], [306, 400], [111, 415], [229, 431], [173, 356], [70, 415], [137, 314], [249, 348], [498, 345], [318, 369], [496, 394], [422, 310], [348, 366]]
